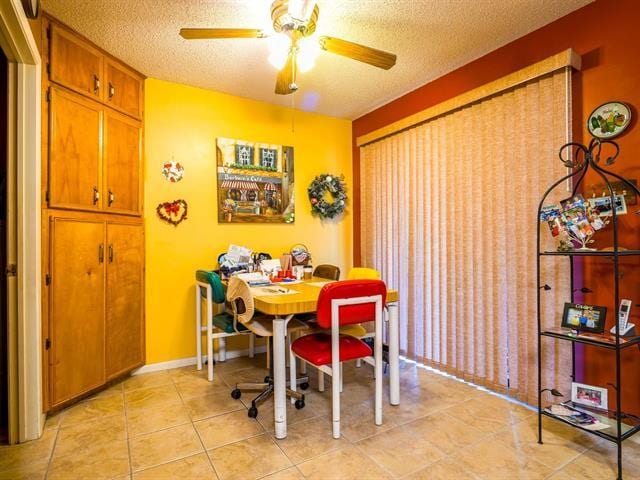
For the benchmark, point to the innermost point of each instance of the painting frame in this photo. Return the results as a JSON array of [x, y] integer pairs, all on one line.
[[255, 182]]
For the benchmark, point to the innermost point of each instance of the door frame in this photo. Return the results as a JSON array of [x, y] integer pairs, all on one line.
[[26, 418]]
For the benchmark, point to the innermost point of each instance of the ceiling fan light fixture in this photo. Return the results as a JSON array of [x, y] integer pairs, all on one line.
[[308, 51], [279, 48], [300, 10]]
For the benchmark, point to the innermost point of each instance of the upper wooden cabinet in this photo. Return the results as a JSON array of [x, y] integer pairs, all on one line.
[[94, 132], [123, 90], [75, 151], [122, 164], [74, 63]]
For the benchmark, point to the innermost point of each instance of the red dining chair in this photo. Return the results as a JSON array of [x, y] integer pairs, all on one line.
[[344, 303]]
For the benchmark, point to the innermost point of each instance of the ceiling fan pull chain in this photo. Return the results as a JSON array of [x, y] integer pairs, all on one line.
[[293, 112]]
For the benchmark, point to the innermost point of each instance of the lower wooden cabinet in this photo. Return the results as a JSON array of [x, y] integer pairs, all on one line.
[[96, 301], [124, 295], [77, 308]]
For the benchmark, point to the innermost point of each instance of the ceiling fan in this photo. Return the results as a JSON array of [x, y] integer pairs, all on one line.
[[292, 47]]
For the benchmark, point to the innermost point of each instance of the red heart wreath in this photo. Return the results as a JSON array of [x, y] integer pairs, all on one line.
[[173, 212]]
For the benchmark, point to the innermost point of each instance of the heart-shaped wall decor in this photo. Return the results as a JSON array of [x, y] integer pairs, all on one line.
[[173, 212]]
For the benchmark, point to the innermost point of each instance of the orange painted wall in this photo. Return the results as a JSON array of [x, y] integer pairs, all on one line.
[[604, 34]]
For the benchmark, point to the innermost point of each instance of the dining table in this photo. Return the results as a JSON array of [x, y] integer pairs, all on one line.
[[302, 297]]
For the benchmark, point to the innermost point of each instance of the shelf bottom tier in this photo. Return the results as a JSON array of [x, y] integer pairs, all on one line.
[[629, 425]]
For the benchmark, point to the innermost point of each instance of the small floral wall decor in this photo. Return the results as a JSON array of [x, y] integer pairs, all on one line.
[[172, 171], [173, 212], [328, 196]]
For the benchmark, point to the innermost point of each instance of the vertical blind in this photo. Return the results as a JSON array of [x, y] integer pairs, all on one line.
[[449, 218]]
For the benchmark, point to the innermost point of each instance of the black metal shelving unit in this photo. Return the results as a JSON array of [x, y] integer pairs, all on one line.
[[580, 159]]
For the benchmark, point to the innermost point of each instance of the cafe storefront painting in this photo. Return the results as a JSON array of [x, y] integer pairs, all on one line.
[[255, 182]]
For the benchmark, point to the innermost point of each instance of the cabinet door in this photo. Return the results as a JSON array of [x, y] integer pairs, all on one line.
[[74, 151], [122, 163], [125, 298], [76, 310], [74, 63], [123, 90]]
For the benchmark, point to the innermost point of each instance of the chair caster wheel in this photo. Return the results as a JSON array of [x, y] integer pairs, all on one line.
[[304, 386], [235, 394], [299, 404], [252, 412]]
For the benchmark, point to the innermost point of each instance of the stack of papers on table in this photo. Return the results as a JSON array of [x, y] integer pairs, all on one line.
[[255, 279]]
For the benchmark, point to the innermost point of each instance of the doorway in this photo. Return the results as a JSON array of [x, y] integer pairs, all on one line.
[[4, 339]]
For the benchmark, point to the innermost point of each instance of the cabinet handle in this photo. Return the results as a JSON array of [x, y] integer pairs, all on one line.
[[110, 253], [101, 253], [96, 84], [112, 90], [96, 195], [111, 197]]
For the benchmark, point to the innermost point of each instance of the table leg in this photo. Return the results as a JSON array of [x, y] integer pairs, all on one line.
[[394, 354], [279, 376]]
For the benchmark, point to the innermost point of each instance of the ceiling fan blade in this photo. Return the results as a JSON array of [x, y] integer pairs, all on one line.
[[211, 33], [358, 52], [286, 77]]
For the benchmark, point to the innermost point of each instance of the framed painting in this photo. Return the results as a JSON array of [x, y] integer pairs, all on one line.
[[255, 182]]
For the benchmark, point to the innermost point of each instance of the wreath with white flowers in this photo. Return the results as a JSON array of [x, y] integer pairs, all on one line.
[[318, 190]]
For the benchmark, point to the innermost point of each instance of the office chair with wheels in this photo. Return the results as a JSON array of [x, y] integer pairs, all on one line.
[[241, 299]]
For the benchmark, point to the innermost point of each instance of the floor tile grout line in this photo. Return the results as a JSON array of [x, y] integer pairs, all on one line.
[[204, 449], [384, 469], [53, 449], [128, 438]]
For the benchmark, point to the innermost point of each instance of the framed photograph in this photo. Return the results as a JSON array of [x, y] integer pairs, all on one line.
[[609, 120], [603, 205], [586, 318], [589, 396]]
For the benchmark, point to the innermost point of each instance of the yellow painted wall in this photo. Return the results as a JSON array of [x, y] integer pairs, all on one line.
[[183, 122]]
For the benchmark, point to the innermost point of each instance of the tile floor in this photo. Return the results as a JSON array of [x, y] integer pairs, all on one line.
[[175, 424]]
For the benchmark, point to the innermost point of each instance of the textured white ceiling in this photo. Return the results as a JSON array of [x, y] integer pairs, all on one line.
[[430, 38]]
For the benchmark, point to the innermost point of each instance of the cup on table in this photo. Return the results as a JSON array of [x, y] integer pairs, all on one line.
[[308, 272]]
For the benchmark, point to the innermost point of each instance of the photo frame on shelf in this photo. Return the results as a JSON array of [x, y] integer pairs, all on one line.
[[589, 396], [585, 318], [603, 205]]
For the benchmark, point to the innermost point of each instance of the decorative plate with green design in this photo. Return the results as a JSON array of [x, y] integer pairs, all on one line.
[[609, 120]]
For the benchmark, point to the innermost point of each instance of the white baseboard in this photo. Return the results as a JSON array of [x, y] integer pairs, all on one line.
[[184, 362]]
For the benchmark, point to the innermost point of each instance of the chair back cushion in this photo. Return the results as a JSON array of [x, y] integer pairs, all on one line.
[[241, 299], [349, 314], [330, 272], [213, 279], [363, 273]]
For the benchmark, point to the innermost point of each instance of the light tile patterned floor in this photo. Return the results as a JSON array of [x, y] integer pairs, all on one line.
[[176, 424]]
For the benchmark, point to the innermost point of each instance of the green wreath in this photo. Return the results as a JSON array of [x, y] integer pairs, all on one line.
[[317, 195]]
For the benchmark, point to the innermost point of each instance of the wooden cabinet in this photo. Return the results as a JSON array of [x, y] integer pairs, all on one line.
[[96, 302], [122, 163], [95, 156], [93, 236], [77, 307], [94, 134], [123, 89], [74, 63], [75, 151], [124, 295]]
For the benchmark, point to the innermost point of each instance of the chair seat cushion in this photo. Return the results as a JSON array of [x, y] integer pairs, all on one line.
[[355, 330], [224, 321], [316, 348]]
